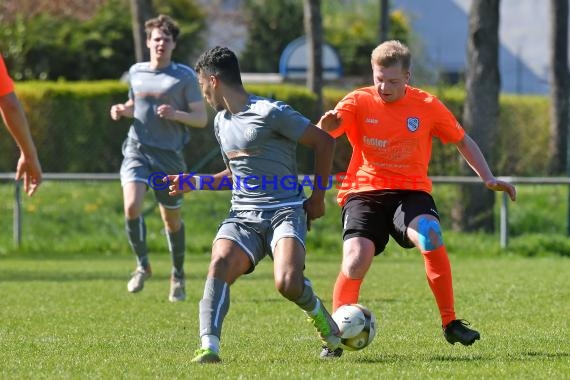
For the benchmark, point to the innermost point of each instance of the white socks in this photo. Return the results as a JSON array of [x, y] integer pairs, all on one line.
[[212, 342]]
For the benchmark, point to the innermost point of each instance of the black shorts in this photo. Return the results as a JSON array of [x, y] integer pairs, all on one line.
[[377, 215]]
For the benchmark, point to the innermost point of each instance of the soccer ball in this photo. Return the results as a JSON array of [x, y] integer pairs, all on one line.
[[357, 326]]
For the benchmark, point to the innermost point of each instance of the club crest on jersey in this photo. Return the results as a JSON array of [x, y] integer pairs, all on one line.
[[250, 134], [413, 124]]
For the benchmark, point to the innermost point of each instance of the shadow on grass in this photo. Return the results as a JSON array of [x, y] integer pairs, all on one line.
[[458, 358], [543, 355], [395, 358], [66, 276]]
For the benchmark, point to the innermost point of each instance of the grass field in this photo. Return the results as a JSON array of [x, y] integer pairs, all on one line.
[[77, 217], [65, 311], [71, 317]]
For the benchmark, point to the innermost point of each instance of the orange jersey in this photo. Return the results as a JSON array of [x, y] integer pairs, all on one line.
[[392, 141], [6, 84]]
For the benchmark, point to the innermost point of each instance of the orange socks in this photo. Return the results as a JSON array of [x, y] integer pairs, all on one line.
[[438, 271], [346, 291]]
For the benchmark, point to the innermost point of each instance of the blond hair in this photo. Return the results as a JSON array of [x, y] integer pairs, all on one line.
[[390, 53]]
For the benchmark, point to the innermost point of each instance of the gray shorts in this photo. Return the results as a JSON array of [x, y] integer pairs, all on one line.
[[257, 232], [142, 162]]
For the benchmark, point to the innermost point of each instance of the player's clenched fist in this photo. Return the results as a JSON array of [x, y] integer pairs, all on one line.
[[165, 111], [118, 111]]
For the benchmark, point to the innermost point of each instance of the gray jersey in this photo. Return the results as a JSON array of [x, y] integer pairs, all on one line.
[[176, 85], [259, 146]]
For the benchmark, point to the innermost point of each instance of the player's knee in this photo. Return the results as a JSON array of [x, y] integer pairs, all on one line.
[[172, 225], [227, 265], [289, 286], [223, 267], [357, 258], [219, 263], [132, 211], [355, 265], [429, 234]]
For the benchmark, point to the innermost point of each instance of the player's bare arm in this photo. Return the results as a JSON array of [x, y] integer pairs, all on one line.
[[323, 146], [196, 117], [179, 182], [121, 110], [28, 167], [472, 154]]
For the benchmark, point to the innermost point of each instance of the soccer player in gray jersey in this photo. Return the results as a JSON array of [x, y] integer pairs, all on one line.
[[269, 212], [164, 99]]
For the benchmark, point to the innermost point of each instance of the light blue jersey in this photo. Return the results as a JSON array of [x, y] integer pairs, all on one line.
[[259, 146], [176, 85]]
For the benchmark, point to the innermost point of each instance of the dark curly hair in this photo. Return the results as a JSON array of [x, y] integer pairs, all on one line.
[[222, 63]]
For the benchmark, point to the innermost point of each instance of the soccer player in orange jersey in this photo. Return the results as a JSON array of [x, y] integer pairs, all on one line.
[[28, 167], [386, 190]]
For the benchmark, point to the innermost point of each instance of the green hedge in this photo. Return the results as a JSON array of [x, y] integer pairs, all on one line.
[[523, 131], [71, 126], [73, 131]]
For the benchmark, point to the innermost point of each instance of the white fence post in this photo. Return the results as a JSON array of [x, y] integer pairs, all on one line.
[[17, 222], [504, 221]]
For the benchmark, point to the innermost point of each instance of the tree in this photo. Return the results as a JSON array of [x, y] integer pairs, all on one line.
[[559, 87], [480, 114], [384, 25], [353, 28], [314, 32], [85, 40], [350, 26], [191, 18], [80, 9], [272, 25], [141, 10], [188, 15], [67, 45]]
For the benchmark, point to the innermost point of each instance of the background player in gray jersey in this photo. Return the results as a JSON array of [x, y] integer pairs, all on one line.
[[164, 99], [258, 139]]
